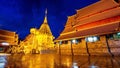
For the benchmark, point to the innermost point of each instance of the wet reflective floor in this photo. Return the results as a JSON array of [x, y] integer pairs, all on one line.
[[57, 61]]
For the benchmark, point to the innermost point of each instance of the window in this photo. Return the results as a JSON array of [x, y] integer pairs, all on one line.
[[114, 36], [1, 49], [65, 42], [110, 36], [75, 41], [79, 40], [60, 42], [92, 39], [117, 35]]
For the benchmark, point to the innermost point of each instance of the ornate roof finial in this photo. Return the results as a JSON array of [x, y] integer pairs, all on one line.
[[45, 20], [46, 12]]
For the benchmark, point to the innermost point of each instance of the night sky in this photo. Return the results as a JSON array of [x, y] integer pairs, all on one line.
[[21, 15]]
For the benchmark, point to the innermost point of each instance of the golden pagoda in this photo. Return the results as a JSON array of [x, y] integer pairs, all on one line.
[[39, 40]]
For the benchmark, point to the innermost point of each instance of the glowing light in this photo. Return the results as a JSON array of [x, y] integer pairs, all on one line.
[[75, 65], [92, 39], [95, 38], [73, 41], [118, 33], [2, 61], [5, 43], [3, 54], [94, 66], [2, 65], [60, 42]]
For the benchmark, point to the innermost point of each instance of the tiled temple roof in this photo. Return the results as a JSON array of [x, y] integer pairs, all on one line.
[[100, 18]]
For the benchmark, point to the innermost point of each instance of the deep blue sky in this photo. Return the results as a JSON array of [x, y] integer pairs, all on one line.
[[21, 15]]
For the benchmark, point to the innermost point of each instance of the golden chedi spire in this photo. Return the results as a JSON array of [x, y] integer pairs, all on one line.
[[45, 29], [45, 19], [39, 39]]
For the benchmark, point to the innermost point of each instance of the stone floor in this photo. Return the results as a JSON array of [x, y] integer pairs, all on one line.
[[57, 61]]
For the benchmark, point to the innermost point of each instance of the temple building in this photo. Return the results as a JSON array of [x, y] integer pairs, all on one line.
[[38, 41], [7, 40], [93, 30]]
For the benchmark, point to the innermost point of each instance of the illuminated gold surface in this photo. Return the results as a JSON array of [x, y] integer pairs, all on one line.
[[38, 41], [58, 61]]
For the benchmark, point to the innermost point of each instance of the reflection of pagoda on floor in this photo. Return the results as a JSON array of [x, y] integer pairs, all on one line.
[[39, 40]]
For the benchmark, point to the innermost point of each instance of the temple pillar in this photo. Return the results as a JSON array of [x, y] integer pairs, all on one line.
[[58, 48], [109, 49], [87, 49], [84, 47], [71, 48]]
